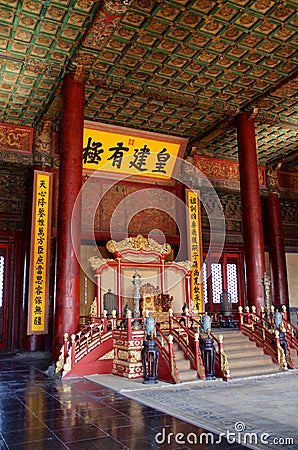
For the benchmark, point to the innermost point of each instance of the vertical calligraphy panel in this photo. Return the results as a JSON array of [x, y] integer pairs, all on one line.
[[39, 255], [195, 245]]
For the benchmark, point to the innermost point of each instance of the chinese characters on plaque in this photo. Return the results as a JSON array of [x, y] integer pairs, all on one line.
[[40, 241], [126, 151], [195, 245]]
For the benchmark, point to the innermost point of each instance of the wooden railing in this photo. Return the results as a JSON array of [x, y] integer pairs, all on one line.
[[88, 338], [166, 347], [267, 318], [259, 330], [291, 334], [83, 342], [189, 343], [221, 360]]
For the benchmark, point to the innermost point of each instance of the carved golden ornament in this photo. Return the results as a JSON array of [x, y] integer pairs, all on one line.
[[13, 138], [85, 59], [282, 358], [79, 73], [97, 262], [60, 362], [179, 33], [168, 12], [281, 12], [289, 359], [146, 4], [26, 21], [56, 13], [36, 66], [135, 356], [43, 144], [246, 19], [191, 19], [224, 365], [116, 7], [203, 4], [200, 368], [138, 243], [31, 5], [262, 5], [49, 27], [7, 15], [85, 4], [272, 178], [212, 26], [109, 355], [226, 12], [67, 365], [93, 308], [267, 26], [122, 354]]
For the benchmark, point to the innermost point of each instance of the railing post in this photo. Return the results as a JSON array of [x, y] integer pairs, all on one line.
[[240, 309], [65, 352], [272, 315], [105, 321], [224, 365], [198, 360], [129, 331], [114, 317], [248, 315], [171, 355], [186, 313], [170, 320], [281, 357], [197, 349], [284, 312], [73, 349], [253, 313], [263, 316]]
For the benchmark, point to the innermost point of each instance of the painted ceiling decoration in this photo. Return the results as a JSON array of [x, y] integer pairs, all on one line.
[[178, 67]]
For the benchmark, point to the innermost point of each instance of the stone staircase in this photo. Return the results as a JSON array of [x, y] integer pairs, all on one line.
[[244, 358], [183, 365]]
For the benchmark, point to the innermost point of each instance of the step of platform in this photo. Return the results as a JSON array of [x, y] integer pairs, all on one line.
[[245, 359], [186, 373]]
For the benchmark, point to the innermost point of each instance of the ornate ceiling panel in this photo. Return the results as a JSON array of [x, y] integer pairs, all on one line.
[[181, 67], [37, 40]]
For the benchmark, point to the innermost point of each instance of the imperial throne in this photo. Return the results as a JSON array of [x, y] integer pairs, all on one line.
[[156, 303]]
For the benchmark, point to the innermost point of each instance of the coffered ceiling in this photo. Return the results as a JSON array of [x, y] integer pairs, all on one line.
[[179, 67]]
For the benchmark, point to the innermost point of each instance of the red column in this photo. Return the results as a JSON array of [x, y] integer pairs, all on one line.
[[277, 257], [251, 211], [67, 313]]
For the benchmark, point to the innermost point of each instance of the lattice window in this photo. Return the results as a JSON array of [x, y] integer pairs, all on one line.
[[2, 267], [232, 282], [205, 285], [216, 277]]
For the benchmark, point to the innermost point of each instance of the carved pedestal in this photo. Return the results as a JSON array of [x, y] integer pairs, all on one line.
[[128, 360]]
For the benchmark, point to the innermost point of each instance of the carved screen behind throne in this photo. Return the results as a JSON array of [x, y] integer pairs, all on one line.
[[147, 275]]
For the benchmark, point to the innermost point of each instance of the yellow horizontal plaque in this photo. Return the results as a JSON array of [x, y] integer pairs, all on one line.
[[124, 151]]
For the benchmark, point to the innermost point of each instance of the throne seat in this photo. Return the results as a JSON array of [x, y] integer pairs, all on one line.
[[156, 303]]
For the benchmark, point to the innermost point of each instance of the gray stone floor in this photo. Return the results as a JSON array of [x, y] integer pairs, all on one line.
[[259, 412]]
